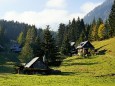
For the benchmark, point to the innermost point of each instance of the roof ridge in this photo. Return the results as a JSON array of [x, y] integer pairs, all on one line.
[[31, 62]]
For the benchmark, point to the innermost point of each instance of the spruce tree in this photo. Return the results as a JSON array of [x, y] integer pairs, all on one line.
[[94, 33], [88, 27], [99, 21], [112, 21], [49, 45], [37, 51], [65, 49], [31, 35], [94, 29], [2, 36], [107, 29], [78, 29], [82, 37], [27, 51], [21, 39], [73, 29], [101, 32], [61, 31]]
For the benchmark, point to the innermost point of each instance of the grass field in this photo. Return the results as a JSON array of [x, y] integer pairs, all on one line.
[[97, 70], [54, 80]]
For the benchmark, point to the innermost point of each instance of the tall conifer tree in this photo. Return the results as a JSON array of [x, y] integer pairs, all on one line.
[[21, 39], [101, 32], [112, 21], [49, 45], [61, 31], [65, 49], [27, 51]]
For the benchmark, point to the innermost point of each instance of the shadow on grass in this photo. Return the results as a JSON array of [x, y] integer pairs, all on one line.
[[108, 75], [102, 52], [70, 60], [101, 47], [64, 73], [84, 63], [8, 57], [77, 58], [72, 64], [2, 60], [6, 69]]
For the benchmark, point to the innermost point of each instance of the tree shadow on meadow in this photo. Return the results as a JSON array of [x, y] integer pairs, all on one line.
[[101, 47], [101, 52], [6, 69], [85, 63], [107, 75], [64, 73]]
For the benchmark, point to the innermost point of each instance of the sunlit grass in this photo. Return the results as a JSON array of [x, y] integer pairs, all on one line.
[[108, 45], [52, 80], [97, 70]]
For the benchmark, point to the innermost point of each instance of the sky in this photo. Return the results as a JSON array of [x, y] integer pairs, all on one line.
[[46, 12]]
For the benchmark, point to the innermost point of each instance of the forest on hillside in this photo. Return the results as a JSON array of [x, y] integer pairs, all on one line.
[[37, 42]]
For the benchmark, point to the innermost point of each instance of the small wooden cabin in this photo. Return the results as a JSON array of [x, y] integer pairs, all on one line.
[[85, 48], [36, 66], [16, 48]]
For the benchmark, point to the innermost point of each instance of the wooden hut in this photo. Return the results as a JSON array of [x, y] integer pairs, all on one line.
[[16, 48], [36, 66], [85, 48]]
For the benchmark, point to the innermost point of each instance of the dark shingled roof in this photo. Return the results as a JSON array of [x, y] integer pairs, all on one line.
[[37, 64], [83, 45], [31, 62]]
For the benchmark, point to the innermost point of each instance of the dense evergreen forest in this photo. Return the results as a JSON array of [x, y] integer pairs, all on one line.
[[37, 42]]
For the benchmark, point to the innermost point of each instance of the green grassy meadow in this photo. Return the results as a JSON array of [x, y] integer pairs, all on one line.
[[97, 70]]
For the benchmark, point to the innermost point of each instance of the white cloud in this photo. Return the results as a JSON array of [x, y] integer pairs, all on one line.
[[87, 7], [84, 9], [56, 3], [49, 16], [45, 17]]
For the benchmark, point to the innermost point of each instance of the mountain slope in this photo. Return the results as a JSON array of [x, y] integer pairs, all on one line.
[[99, 65], [101, 11]]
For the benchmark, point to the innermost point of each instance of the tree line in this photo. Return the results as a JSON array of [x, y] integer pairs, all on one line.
[[39, 42], [33, 46], [77, 31]]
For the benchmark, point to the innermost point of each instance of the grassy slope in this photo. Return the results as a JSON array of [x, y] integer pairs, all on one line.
[[96, 65], [107, 45], [94, 71]]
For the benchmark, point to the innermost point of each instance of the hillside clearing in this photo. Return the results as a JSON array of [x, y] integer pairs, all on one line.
[[58, 80], [93, 71]]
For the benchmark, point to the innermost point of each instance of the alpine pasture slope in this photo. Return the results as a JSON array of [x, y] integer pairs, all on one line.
[[97, 70]]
